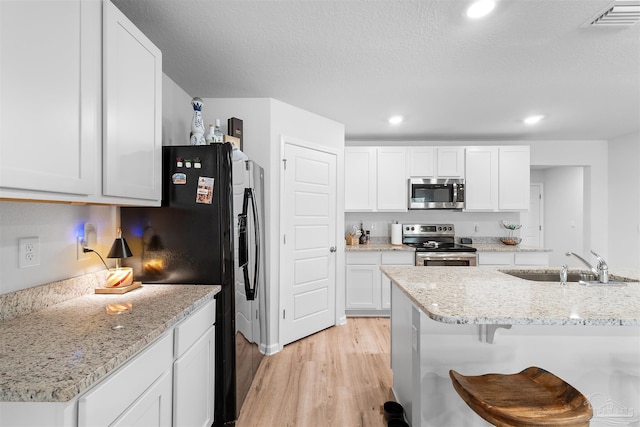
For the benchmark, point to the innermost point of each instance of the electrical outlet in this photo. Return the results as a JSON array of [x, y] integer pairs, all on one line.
[[79, 252], [28, 252], [88, 240]]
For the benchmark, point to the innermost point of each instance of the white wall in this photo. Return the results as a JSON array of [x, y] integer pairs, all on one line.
[[624, 202], [57, 226]]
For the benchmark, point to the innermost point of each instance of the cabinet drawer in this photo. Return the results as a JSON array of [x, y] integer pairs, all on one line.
[[126, 385], [398, 258], [532, 258], [495, 258], [363, 258], [189, 330]]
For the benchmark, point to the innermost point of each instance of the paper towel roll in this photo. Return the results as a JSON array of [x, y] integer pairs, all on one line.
[[396, 234]]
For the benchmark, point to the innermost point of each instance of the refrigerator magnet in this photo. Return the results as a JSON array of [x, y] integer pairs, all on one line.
[[179, 178], [179, 163], [196, 163], [204, 193]]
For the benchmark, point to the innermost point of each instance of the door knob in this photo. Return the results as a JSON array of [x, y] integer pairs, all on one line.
[[332, 249]]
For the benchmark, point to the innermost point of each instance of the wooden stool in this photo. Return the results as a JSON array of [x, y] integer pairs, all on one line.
[[533, 397]]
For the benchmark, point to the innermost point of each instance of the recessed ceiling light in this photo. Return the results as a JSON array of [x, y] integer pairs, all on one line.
[[395, 120], [480, 8], [532, 120]]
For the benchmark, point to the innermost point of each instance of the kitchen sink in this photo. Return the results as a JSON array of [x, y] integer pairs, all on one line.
[[581, 278], [551, 277]]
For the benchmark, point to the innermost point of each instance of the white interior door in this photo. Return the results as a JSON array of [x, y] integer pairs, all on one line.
[[308, 257], [532, 220]]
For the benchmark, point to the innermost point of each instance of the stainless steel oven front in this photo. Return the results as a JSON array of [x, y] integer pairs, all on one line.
[[446, 259]]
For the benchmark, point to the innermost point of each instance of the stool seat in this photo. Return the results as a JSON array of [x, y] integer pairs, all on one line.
[[533, 397]]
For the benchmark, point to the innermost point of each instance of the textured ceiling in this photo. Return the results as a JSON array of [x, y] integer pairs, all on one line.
[[360, 61]]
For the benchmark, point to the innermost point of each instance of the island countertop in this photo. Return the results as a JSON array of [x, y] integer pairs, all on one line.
[[483, 295], [55, 353]]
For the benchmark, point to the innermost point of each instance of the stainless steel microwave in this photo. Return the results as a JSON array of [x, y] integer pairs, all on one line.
[[427, 193]]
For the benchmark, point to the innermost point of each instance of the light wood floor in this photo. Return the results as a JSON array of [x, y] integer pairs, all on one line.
[[337, 377]]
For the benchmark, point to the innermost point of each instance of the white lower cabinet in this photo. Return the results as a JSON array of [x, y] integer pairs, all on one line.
[[170, 383], [194, 370], [508, 259], [139, 393], [150, 409], [368, 291]]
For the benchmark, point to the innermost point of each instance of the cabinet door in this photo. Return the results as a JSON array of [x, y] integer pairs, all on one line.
[[193, 383], [360, 178], [531, 258], [49, 96], [422, 162], [450, 162], [363, 287], [132, 110], [392, 258], [495, 258], [111, 399], [151, 409], [392, 180], [514, 178], [481, 182]]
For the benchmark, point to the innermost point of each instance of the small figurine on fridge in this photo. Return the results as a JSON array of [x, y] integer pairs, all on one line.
[[197, 126]]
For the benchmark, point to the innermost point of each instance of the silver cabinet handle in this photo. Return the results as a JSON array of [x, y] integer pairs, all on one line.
[[332, 249]]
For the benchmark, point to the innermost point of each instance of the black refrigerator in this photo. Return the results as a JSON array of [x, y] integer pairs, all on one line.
[[190, 240]]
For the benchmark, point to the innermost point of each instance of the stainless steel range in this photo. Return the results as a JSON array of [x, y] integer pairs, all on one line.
[[435, 246]]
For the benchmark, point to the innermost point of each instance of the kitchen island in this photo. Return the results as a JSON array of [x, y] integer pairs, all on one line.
[[479, 320]]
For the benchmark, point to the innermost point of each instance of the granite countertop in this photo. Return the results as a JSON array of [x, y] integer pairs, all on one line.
[[378, 247], [485, 295], [55, 353], [501, 247], [481, 247]]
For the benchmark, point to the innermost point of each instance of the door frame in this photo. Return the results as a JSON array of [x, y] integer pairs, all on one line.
[[340, 316], [541, 207]]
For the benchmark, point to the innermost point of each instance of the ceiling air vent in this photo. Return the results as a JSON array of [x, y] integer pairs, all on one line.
[[619, 13]]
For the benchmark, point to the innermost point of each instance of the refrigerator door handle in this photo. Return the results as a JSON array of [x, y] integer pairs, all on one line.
[[250, 290]]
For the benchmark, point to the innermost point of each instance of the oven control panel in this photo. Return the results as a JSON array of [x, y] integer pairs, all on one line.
[[428, 230]]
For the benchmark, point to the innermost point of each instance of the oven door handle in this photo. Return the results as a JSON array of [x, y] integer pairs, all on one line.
[[443, 255]]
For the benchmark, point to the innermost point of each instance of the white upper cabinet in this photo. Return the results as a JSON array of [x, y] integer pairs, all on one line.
[[392, 179], [514, 178], [375, 179], [422, 162], [49, 97], [450, 162], [436, 162], [481, 184], [132, 122], [80, 105], [497, 178], [360, 178]]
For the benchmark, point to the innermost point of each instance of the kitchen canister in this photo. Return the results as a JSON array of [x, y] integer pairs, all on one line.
[[396, 234]]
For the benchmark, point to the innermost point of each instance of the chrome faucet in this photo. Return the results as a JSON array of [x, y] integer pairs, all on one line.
[[601, 271]]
